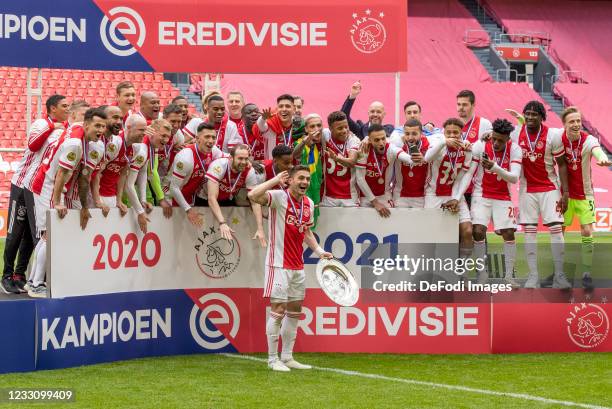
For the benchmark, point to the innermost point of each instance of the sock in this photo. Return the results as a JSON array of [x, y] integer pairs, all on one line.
[[586, 251], [273, 328], [557, 245], [480, 250], [510, 253], [531, 248], [289, 333], [40, 255]]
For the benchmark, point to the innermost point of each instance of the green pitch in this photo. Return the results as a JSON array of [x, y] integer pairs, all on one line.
[[341, 381]]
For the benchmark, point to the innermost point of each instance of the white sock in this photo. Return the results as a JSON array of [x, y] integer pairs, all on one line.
[[273, 328], [510, 253], [531, 248], [289, 333], [38, 275], [480, 250], [557, 246]]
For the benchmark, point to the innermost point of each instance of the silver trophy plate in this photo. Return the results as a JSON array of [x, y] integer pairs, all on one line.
[[337, 282]]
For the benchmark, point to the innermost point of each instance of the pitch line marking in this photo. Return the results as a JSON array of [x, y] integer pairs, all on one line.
[[522, 396]]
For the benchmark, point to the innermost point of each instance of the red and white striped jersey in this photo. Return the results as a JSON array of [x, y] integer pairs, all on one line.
[[288, 221], [68, 155], [189, 169], [118, 157], [410, 180], [41, 141], [487, 184], [538, 171], [230, 182], [340, 182], [443, 170], [226, 131], [379, 169], [578, 157]]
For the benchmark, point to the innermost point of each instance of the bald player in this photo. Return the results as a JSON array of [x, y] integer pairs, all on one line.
[[149, 106], [376, 114]]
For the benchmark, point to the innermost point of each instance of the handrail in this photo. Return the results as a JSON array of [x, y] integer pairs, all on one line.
[[12, 150], [466, 35], [509, 70]]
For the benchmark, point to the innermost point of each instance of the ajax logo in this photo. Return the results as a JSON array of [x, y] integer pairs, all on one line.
[[588, 325], [123, 21], [217, 310], [216, 257], [368, 33]]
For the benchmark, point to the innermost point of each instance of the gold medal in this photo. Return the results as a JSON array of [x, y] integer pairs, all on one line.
[[532, 157], [411, 173], [575, 167], [381, 181]]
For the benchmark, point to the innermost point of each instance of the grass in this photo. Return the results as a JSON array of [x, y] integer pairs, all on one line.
[[216, 381]]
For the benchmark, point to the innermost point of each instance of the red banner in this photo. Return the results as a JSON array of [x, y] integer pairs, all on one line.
[[271, 37], [524, 54]]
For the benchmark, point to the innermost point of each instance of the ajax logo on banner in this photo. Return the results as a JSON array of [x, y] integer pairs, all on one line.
[[217, 310], [368, 33], [588, 325], [123, 21]]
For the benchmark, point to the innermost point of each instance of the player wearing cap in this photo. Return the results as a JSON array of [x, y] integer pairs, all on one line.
[[291, 216]]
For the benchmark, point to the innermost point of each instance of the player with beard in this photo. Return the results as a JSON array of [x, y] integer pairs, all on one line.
[[449, 158], [109, 182], [578, 148], [539, 194], [339, 185], [112, 142], [475, 127], [149, 106], [226, 129], [496, 165], [298, 102], [67, 169], [126, 98], [188, 173], [21, 228], [182, 102], [291, 217], [374, 170], [246, 134], [156, 138], [376, 114], [409, 187], [173, 114], [279, 128]]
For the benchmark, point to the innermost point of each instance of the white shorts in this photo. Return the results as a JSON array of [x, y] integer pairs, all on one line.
[[385, 199], [410, 202], [283, 284], [435, 202], [534, 205], [502, 212], [332, 202], [110, 201], [41, 205]]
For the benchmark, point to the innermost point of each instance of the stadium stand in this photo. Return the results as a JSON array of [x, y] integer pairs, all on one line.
[[97, 87], [576, 46]]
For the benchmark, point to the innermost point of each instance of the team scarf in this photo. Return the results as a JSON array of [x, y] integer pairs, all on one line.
[[274, 123], [311, 157]]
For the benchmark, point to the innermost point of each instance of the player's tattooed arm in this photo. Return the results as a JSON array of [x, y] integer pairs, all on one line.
[[83, 182], [120, 187]]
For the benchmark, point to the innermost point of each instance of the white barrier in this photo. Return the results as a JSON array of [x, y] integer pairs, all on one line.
[[112, 255]]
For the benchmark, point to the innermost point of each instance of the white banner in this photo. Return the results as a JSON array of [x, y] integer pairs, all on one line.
[[112, 255]]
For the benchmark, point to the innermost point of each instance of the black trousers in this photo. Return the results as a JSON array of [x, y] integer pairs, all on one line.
[[20, 232]]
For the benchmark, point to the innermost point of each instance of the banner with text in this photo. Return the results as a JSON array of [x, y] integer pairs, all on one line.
[[233, 36]]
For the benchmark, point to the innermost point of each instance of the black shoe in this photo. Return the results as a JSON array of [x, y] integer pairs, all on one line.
[[8, 286], [587, 282], [547, 282], [20, 282]]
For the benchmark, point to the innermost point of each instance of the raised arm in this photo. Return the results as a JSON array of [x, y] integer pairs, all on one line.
[[258, 194]]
